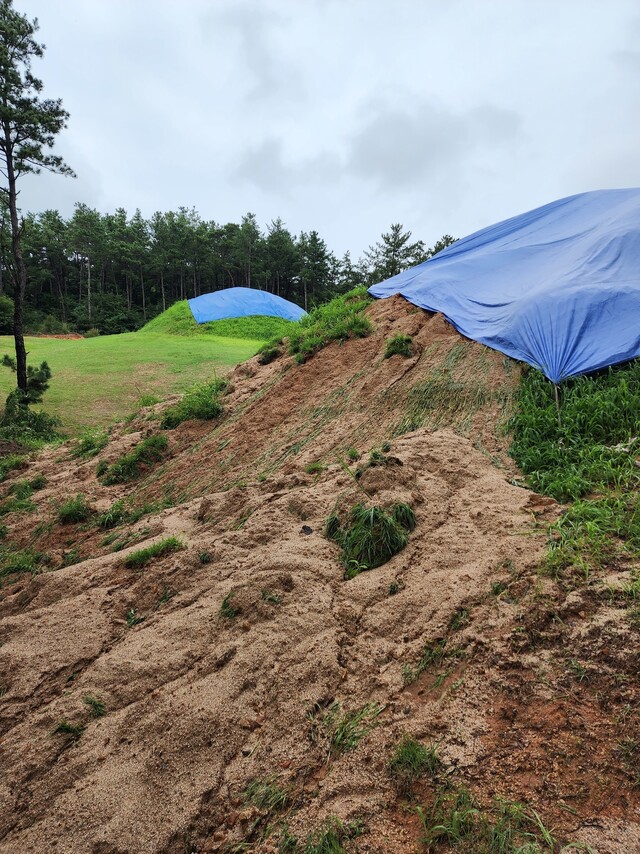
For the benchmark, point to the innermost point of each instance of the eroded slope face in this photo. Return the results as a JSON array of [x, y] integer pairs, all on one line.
[[222, 663]]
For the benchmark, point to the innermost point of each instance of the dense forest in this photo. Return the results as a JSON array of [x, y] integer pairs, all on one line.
[[111, 273]]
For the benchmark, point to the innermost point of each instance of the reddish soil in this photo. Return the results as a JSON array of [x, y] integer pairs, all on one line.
[[199, 704]]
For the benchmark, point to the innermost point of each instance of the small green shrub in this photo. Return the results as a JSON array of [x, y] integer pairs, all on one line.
[[131, 465], [140, 558], [92, 333], [410, 760], [204, 557], [101, 468], [315, 468], [74, 510], [399, 345], [202, 403], [4, 531], [90, 443], [353, 455]]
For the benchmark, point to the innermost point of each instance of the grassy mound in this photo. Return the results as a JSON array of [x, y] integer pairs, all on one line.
[[178, 320]]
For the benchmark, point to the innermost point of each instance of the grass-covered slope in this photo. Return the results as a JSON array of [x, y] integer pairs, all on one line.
[[179, 320]]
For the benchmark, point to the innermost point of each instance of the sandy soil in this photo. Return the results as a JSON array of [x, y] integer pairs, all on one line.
[[199, 704]]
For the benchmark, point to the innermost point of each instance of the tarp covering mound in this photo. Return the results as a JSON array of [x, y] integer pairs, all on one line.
[[242, 302], [557, 287]]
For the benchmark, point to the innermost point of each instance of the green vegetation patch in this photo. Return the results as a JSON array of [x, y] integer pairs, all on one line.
[[179, 320], [589, 443], [140, 558], [456, 819], [10, 463], [90, 443], [371, 535], [131, 465], [18, 562], [338, 320], [74, 510], [266, 794], [200, 402], [411, 760], [399, 345]]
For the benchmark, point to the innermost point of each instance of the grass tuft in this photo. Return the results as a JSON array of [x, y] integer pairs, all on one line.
[[202, 403], [90, 443], [266, 794], [370, 537], [411, 760], [399, 345], [131, 465], [227, 609], [97, 706], [141, 557], [72, 732], [74, 510]]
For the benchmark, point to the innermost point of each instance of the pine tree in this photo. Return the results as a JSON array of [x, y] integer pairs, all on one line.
[[29, 124]]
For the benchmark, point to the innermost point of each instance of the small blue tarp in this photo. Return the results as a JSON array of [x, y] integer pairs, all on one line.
[[557, 287], [242, 302]]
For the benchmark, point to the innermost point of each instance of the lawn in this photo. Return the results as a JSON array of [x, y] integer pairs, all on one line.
[[98, 380]]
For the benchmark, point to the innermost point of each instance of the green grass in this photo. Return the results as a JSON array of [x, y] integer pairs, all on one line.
[[99, 380], [345, 731], [90, 443], [179, 320], [72, 732], [18, 562], [227, 609], [584, 452], [201, 402], [10, 463], [97, 707], [591, 444], [411, 760], [266, 794], [399, 345], [131, 465], [74, 510], [338, 320], [456, 819], [141, 557], [371, 536]]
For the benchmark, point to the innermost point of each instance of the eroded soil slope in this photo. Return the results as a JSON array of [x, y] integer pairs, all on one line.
[[236, 658]]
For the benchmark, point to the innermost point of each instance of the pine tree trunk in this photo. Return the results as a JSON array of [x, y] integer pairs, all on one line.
[[21, 271], [144, 302]]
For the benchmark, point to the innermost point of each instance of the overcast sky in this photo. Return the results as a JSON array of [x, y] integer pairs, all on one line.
[[340, 115]]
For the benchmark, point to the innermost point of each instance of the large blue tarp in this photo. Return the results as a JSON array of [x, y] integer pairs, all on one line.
[[557, 287], [242, 302]]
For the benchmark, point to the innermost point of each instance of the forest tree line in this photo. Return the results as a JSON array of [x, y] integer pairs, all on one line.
[[111, 273]]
